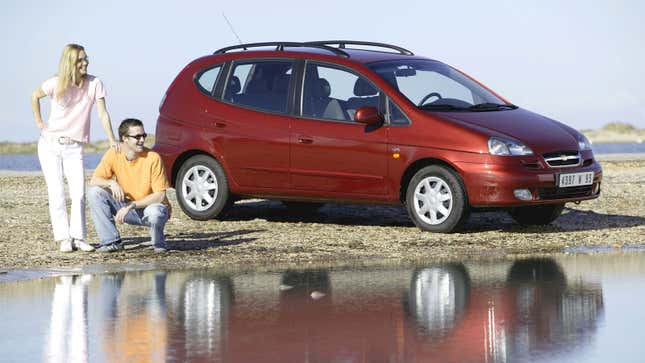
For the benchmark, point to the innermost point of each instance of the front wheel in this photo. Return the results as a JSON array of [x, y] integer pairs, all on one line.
[[536, 215], [436, 200], [202, 188]]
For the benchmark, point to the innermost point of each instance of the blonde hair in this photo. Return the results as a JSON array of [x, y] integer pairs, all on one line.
[[67, 69]]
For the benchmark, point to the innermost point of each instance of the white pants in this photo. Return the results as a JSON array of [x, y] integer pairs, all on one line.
[[58, 161]]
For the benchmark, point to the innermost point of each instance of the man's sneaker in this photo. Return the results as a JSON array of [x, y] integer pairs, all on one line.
[[66, 245], [112, 247], [160, 249], [82, 245]]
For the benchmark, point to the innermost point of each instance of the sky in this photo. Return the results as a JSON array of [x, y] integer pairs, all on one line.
[[579, 62]]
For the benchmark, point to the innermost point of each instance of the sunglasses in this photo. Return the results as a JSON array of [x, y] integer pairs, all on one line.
[[138, 137]]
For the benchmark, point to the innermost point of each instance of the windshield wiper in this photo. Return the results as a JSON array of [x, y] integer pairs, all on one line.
[[444, 107], [488, 106]]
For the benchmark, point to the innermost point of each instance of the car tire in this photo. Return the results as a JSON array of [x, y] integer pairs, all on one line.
[[438, 297], [536, 215], [436, 200], [202, 188], [302, 207]]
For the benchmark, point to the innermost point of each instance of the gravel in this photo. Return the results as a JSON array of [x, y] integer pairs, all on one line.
[[260, 234]]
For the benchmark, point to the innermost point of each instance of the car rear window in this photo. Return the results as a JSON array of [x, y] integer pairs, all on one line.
[[205, 80]]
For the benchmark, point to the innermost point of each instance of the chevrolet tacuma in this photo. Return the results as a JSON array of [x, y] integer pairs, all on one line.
[[362, 122]]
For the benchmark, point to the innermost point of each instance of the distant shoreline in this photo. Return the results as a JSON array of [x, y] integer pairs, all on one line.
[[606, 137], [96, 147]]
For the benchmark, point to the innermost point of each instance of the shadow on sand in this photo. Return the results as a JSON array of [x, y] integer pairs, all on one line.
[[347, 215], [371, 215], [196, 241], [570, 220]]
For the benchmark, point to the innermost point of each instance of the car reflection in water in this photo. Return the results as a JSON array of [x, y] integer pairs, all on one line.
[[433, 313], [201, 311], [534, 312]]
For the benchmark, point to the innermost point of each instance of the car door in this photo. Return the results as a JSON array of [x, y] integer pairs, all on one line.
[[331, 155], [252, 126]]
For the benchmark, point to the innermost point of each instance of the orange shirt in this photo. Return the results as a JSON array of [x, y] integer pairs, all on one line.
[[138, 178]]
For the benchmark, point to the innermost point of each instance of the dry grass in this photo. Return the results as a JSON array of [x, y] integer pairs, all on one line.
[[615, 132]]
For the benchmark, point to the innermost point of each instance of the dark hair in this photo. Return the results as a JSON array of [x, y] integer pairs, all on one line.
[[126, 124]]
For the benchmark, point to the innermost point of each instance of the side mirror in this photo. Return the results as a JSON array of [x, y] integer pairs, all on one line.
[[368, 115]]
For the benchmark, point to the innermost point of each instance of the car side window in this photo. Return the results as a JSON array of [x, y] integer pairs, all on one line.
[[206, 79], [397, 117], [262, 85], [335, 94]]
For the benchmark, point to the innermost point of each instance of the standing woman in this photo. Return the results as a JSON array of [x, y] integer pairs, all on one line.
[[60, 147]]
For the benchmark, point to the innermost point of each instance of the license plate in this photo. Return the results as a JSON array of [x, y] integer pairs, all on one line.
[[575, 179]]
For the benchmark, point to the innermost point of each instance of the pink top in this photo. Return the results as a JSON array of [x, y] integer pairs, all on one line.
[[71, 115]]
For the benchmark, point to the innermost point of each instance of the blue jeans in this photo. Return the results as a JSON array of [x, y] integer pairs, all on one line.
[[103, 208]]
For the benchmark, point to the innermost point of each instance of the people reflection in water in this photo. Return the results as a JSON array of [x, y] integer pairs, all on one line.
[[67, 340], [137, 314]]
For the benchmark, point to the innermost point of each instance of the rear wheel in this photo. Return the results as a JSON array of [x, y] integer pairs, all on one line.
[[202, 188], [536, 215], [436, 200]]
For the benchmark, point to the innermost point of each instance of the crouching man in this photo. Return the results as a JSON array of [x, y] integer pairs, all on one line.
[[129, 187]]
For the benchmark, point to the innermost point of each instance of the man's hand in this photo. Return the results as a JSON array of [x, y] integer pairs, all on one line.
[[117, 191], [121, 213]]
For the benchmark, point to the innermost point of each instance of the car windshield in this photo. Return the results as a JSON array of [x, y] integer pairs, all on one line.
[[435, 86]]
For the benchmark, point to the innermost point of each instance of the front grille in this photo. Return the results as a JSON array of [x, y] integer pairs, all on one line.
[[561, 193], [562, 159]]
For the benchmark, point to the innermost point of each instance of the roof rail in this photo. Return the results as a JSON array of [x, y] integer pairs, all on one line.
[[279, 46], [343, 43]]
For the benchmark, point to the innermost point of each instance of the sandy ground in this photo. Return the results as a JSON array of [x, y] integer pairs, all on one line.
[[264, 234]]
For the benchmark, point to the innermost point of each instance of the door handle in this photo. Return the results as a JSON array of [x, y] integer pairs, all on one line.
[[219, 125], [305, 140]]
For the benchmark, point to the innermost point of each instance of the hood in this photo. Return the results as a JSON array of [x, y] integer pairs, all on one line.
[[539, 133]]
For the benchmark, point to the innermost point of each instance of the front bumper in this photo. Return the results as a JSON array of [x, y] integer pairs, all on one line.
[[492, 184]]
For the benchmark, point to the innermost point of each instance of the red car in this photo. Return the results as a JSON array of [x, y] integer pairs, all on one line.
[[362, 122]]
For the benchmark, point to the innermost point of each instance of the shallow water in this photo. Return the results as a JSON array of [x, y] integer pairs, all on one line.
[[30, 162], [563, 308]]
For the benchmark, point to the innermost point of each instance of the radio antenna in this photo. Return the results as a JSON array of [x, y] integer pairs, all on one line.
[[231, 27]]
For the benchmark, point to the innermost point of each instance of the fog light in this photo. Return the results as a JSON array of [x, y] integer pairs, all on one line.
[[596, 188], [523, 194]]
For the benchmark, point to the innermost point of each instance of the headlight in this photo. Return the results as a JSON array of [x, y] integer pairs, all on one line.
[[583, 143], [499, 146]]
